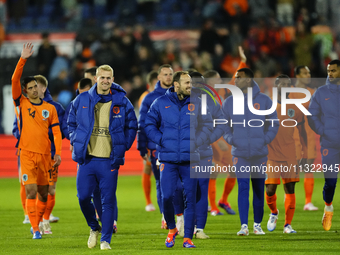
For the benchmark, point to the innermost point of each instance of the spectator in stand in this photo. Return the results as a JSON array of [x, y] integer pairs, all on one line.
[[303, 45], [265, 64], [259, 9], [46, 55], [285, 12], [208, 38], [278, 40]]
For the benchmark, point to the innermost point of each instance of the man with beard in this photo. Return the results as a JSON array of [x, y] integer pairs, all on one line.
[[175, 123], [165, 73], [305, 153], [325, 121]]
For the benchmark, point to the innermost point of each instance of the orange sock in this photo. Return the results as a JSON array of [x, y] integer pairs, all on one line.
[[41, 207], [146, 184], [271, 202], [23, 197], [49, 206], [309, 186], [186, 239], [31, 210], [290, 208], [173, 231], [212, 194], [328, 204], [228, 187]]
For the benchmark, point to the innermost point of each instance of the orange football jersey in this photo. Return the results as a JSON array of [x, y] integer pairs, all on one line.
[[282, 148], [34, 120], [308, 151]]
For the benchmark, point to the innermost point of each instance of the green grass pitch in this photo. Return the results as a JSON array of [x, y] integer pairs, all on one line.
[[139, 232]]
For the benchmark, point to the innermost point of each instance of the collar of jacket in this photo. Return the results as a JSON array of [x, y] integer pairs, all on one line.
[[117, 91], [174, 98], [334, 88], [47, 96], [159, 89], [256, 89]]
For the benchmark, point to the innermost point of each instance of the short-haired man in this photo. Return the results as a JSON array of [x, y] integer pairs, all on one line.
[[165, 74], [281, 154], [305, 153], [53, 172], [249, 147], [35, 117], [90, 73], [325, 121], [175, 123], [151, 80], [102, 127]]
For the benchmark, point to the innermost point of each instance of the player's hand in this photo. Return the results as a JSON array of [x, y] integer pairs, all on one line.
[[242, 55], [57, 160], [303, 162], [71, 148], [27, 50], [222, 145]]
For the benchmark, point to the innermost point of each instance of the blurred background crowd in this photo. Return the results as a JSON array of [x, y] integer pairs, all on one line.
[[277, 35]]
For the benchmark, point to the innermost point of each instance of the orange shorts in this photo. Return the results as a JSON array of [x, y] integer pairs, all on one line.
[[287, 170], [34, 167]]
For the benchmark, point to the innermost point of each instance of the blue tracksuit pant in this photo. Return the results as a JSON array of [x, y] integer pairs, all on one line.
[[243, 174], [98, 171], [331, 160], [202, 202], [156, 174], [169, 178]]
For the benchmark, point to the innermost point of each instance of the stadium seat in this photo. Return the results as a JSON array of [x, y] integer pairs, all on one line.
[[47, 9], [162, 20], [177, 19], [26, 23], [86, 11]]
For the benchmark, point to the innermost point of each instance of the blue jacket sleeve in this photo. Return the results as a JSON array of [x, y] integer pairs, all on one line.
[[314, 120], [219, 130], [204, 129], [152, 124], [72, 119], [64, 127], [228, 135], [272, 125], [61, 113], [141, 135], [130, 128], [15, 130]]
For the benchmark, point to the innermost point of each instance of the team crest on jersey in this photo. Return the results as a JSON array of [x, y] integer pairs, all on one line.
[[291, 113], [257, 106], [45, 114], [24, 177], [116, 110], [191, 107]]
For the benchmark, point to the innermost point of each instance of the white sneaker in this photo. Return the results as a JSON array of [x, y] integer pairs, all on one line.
[[105, 245], [271, 225], [92, 242], [244, 230], [150, 208], [26, 220], [257, 229], [310, 207], [201, 235], [53, 219], [180, 225], [46, 227], [41, 228], [288, 230]]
